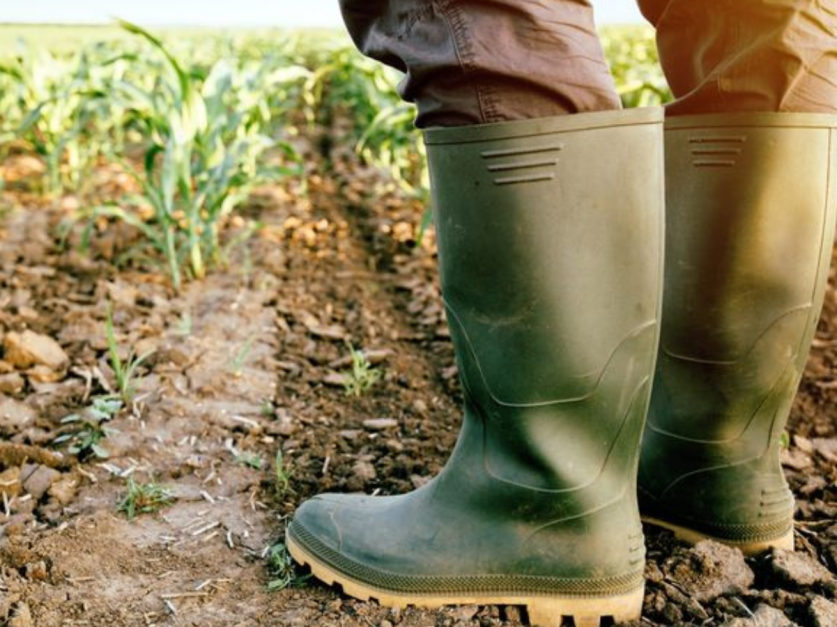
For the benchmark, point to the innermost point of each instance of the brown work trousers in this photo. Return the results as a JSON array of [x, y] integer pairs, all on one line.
[[478, 61]]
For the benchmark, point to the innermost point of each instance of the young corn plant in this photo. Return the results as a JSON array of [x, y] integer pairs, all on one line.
[[347, 82], [56, 105], [46, 108], [207, 151], [11, 114], [384, 135], [392, 143]]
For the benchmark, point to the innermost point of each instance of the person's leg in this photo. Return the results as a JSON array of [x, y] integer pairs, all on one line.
[[751, 166], [482, 61], [725, 56], [550, 254]]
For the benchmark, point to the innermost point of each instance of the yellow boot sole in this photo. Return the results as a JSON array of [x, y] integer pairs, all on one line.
[[690, 536], [543, 611]]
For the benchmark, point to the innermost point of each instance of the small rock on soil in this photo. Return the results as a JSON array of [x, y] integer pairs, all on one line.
[[27, 349]]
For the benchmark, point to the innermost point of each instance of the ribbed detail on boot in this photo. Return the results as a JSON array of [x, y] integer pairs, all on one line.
[[731, 533]]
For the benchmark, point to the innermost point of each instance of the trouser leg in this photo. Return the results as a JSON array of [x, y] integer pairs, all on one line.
[[724, 56], [480, 61]]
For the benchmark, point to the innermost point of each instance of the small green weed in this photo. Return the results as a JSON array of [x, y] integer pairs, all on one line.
[[282, 569], [251, 460], [282, 475], [124, 371], [785, 441], [144, 498], [241, 356], [362, 376], [85, 441], [184, 327]]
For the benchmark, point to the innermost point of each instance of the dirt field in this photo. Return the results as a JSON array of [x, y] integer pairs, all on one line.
[[251, 361]]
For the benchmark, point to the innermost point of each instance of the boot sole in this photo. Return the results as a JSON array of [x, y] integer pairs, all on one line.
[[748, 547], [543, 611]]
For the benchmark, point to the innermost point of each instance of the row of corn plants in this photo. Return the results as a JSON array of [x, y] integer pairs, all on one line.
[[196, 136], [197, 124], [208, 139]]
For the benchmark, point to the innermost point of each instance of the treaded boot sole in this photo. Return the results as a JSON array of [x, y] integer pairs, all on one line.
[[748, 547], [543, 611]]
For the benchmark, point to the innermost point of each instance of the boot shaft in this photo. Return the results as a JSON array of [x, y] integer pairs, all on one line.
[[751, 202], [550, 236]]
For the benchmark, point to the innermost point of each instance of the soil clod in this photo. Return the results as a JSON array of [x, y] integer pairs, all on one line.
[[799, 570], [26, 349], [823, 613], [764, 616], [709, 570]]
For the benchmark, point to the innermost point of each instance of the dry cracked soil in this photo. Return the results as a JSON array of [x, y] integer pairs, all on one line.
[[239, 412]]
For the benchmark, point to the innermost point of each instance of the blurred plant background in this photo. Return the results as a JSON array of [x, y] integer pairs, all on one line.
[[194, 123]]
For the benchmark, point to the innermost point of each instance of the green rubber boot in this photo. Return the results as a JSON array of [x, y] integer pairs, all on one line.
[[749, 230], [550, 237]]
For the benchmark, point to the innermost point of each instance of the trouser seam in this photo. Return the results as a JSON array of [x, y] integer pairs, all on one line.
[[459, 31], [486, 99]]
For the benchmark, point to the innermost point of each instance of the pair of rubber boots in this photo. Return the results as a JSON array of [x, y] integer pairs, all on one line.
[[569, 290]]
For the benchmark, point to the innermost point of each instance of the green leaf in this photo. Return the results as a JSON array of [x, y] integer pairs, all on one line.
[[183, 77]]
